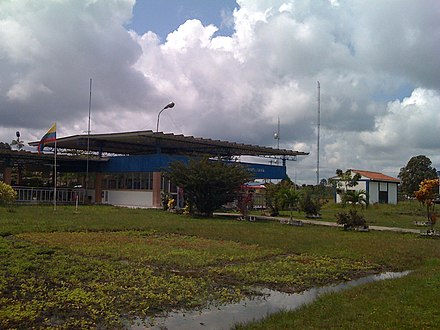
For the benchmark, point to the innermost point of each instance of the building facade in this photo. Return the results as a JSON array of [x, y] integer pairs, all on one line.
[[127, 168], [380, 188]]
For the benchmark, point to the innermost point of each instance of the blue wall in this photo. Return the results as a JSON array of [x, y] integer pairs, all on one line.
[[142, 163], [263, 171], [159, 162]]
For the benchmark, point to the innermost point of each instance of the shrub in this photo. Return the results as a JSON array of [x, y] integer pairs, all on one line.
[[7, 194], [311, 200], [351, 219], [355, 197], [280, 196]]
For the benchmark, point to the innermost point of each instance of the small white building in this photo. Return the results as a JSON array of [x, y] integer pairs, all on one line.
[[380, 188]]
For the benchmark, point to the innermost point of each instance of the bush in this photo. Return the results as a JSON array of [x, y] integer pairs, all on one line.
[[280, 196], [311, 200], [351, 219], [7, 194]]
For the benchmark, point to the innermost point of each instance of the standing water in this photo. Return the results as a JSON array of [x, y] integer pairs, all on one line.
[[253, 309]]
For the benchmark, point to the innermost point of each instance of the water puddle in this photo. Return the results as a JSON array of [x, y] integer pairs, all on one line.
[[225, 317]]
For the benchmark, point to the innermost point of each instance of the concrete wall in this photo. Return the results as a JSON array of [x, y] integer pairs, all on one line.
[[373, 188], [376, 187], [392, 193], [134, 198], [362, 185], [373, 192]]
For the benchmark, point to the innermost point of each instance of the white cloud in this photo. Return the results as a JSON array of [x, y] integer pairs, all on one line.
[[411, 124], [191, 34], [378, 64]]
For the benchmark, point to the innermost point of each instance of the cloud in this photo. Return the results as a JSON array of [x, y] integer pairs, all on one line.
[[377, 62], [409, 125], [50, 49], [400, 38]]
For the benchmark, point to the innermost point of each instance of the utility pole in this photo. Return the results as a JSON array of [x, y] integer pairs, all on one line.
[[318, 133], [88, 142]]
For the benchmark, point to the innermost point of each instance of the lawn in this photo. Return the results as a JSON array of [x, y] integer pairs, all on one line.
[[106, 266], [403, 215]]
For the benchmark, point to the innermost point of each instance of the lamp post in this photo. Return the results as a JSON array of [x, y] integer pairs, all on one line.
[[276, 136], [168, 106]]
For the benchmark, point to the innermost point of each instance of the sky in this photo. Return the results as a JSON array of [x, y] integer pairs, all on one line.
[[232, 68]]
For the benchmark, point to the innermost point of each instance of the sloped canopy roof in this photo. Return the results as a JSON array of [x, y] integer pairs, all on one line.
[[149, 142], [38, 162]]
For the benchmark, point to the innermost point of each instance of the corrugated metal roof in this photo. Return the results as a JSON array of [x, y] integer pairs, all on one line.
[[149, 142]]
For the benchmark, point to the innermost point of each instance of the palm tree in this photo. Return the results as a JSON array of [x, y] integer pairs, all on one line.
[[289, 197], [355, 197]]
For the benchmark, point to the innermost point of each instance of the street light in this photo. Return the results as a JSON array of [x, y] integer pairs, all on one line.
[[17, 142], [168, 106]]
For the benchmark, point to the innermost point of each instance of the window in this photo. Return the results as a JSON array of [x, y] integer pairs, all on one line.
[[132, 181]]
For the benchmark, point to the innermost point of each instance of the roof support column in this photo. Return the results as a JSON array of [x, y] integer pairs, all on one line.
[[98, 188], [7, 175], [157, 178]]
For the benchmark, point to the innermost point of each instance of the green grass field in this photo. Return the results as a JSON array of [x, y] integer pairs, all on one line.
[[106, 266], [402, 215]]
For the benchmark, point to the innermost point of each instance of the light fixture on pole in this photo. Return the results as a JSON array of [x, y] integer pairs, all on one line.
[[276, 136], [168, 106], [17, 142]]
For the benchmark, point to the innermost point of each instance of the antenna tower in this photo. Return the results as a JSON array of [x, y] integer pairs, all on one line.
[[318, 133]]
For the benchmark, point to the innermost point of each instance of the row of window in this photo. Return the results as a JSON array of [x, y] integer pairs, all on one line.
[[134, 180]]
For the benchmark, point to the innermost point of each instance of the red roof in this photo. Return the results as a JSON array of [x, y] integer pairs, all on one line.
[[376, 176]]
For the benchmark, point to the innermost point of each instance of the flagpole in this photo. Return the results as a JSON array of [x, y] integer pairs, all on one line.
[[88, 144], [55, 178]]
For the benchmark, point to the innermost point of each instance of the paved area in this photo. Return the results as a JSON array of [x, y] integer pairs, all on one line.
[[323, 223]]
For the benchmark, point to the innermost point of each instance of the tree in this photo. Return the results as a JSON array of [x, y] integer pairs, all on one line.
[[352, 218], [280, 195], [418, 169], [272, 202], [345, 180], [355, 197], [289, 198], [426, 194], [208, 184]]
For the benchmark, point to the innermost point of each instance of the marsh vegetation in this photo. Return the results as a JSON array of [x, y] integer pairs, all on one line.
[[106, 266]]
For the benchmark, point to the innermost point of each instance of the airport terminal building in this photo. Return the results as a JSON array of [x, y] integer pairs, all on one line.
[[126, 168]]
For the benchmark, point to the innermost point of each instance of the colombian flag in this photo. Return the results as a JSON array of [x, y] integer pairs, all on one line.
[[50, 136]]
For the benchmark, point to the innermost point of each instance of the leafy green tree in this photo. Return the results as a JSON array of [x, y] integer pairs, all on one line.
[[345, 180], [353, 197], [418, 169], [208, 184], [272, 202], [289, 198]]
